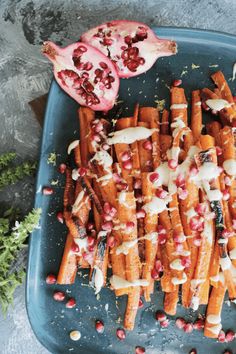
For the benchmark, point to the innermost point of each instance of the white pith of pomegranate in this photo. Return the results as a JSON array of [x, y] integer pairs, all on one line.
[[85, 74], [132, 46]]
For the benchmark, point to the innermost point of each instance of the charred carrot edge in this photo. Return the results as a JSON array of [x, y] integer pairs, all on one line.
[[86, 115], [177, 96], [222, 85], [228, 144], [92, 195], [126, 212], [68, 266], [214, 308], [151, 116], [170, 302], [196, 115], [164, 129], [228, 222]]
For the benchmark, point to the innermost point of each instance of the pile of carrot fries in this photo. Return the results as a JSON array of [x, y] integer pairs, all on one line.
[[154, 199]]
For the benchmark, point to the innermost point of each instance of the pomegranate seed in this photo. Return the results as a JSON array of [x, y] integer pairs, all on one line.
[[193, 351], [196, 224], [120, 332], [199, 324], [107, 217], [164, 324], [127, 165], [81, 49], [180, 322], [59, 296], [90, 241], [88, 257], [71, 303], [218, 151], [105, 146], [113, 211], [180, 181], [111, 241], [159, 266], [221, 336], [229, 336], [75, 247], [226, 194], [197, 241], [137, 184], [140, 350], [47, 191], [99, 326], [188, 328], [227, 233], [154, 177], [51, 279], [147, 145], [140, 303], [107, 226], [155, 274], [227, 181], [161, 193], [172, 164], [82, 171], [179, 238], [116, 178], [96, 137], [201, 209], [162, 238], [60, 217], [90, 226], [140, 214], [182, 193], [62, 168], [98, 127], [107, 207], [228, 351], [125, 156], [103, 65], [161, 230], [177, 83], [186, 262], [130, 226], [205, 106], [160, 316], [122, 186]]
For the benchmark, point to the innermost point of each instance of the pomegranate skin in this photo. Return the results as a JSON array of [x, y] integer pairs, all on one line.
[[132, 46], [85, 74]]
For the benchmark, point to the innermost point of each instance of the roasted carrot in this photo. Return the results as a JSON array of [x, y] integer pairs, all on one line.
[[170, 302], [178, 105], [68, 266], [164, 129], [196, 115], [86, 115]]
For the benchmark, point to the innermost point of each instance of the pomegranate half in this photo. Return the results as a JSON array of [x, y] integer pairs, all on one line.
[[85, 74], [132, 46]]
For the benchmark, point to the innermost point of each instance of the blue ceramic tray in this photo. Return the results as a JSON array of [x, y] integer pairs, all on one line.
[[51, 321]]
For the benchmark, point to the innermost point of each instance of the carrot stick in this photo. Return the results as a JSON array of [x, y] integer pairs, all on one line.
[[145, 156], [196, 115], [178, 105], [165, 144], [68, 266], [204, 293], [86, 115], [134, 146], [165, 122], [170, 302], [222, 85], [214, 308], [213, 129]]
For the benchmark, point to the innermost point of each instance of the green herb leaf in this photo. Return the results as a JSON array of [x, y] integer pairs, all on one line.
[[11, 242], [5, 159], [12, 175]]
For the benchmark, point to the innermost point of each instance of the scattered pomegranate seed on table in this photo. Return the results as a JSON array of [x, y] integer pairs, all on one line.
[[199, 324], [177, 83], [160, 316], [229, 335], [120, 333], [165, 323], [227, 351], [140, 303], [51, 279], [47, 190], [180, 322], [62, 168], [221, 336], [193, 351], [188, 328], [71, 303], [59, 296], [60, 217], [140, 350], [99, 326]]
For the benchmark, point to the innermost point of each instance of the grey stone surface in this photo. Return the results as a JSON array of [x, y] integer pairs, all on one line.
[[25, 74]]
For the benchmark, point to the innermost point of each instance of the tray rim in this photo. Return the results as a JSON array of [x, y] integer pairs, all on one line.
[[183, 33]]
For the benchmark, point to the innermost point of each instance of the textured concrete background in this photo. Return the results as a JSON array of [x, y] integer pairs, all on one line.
[[25, 75]]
